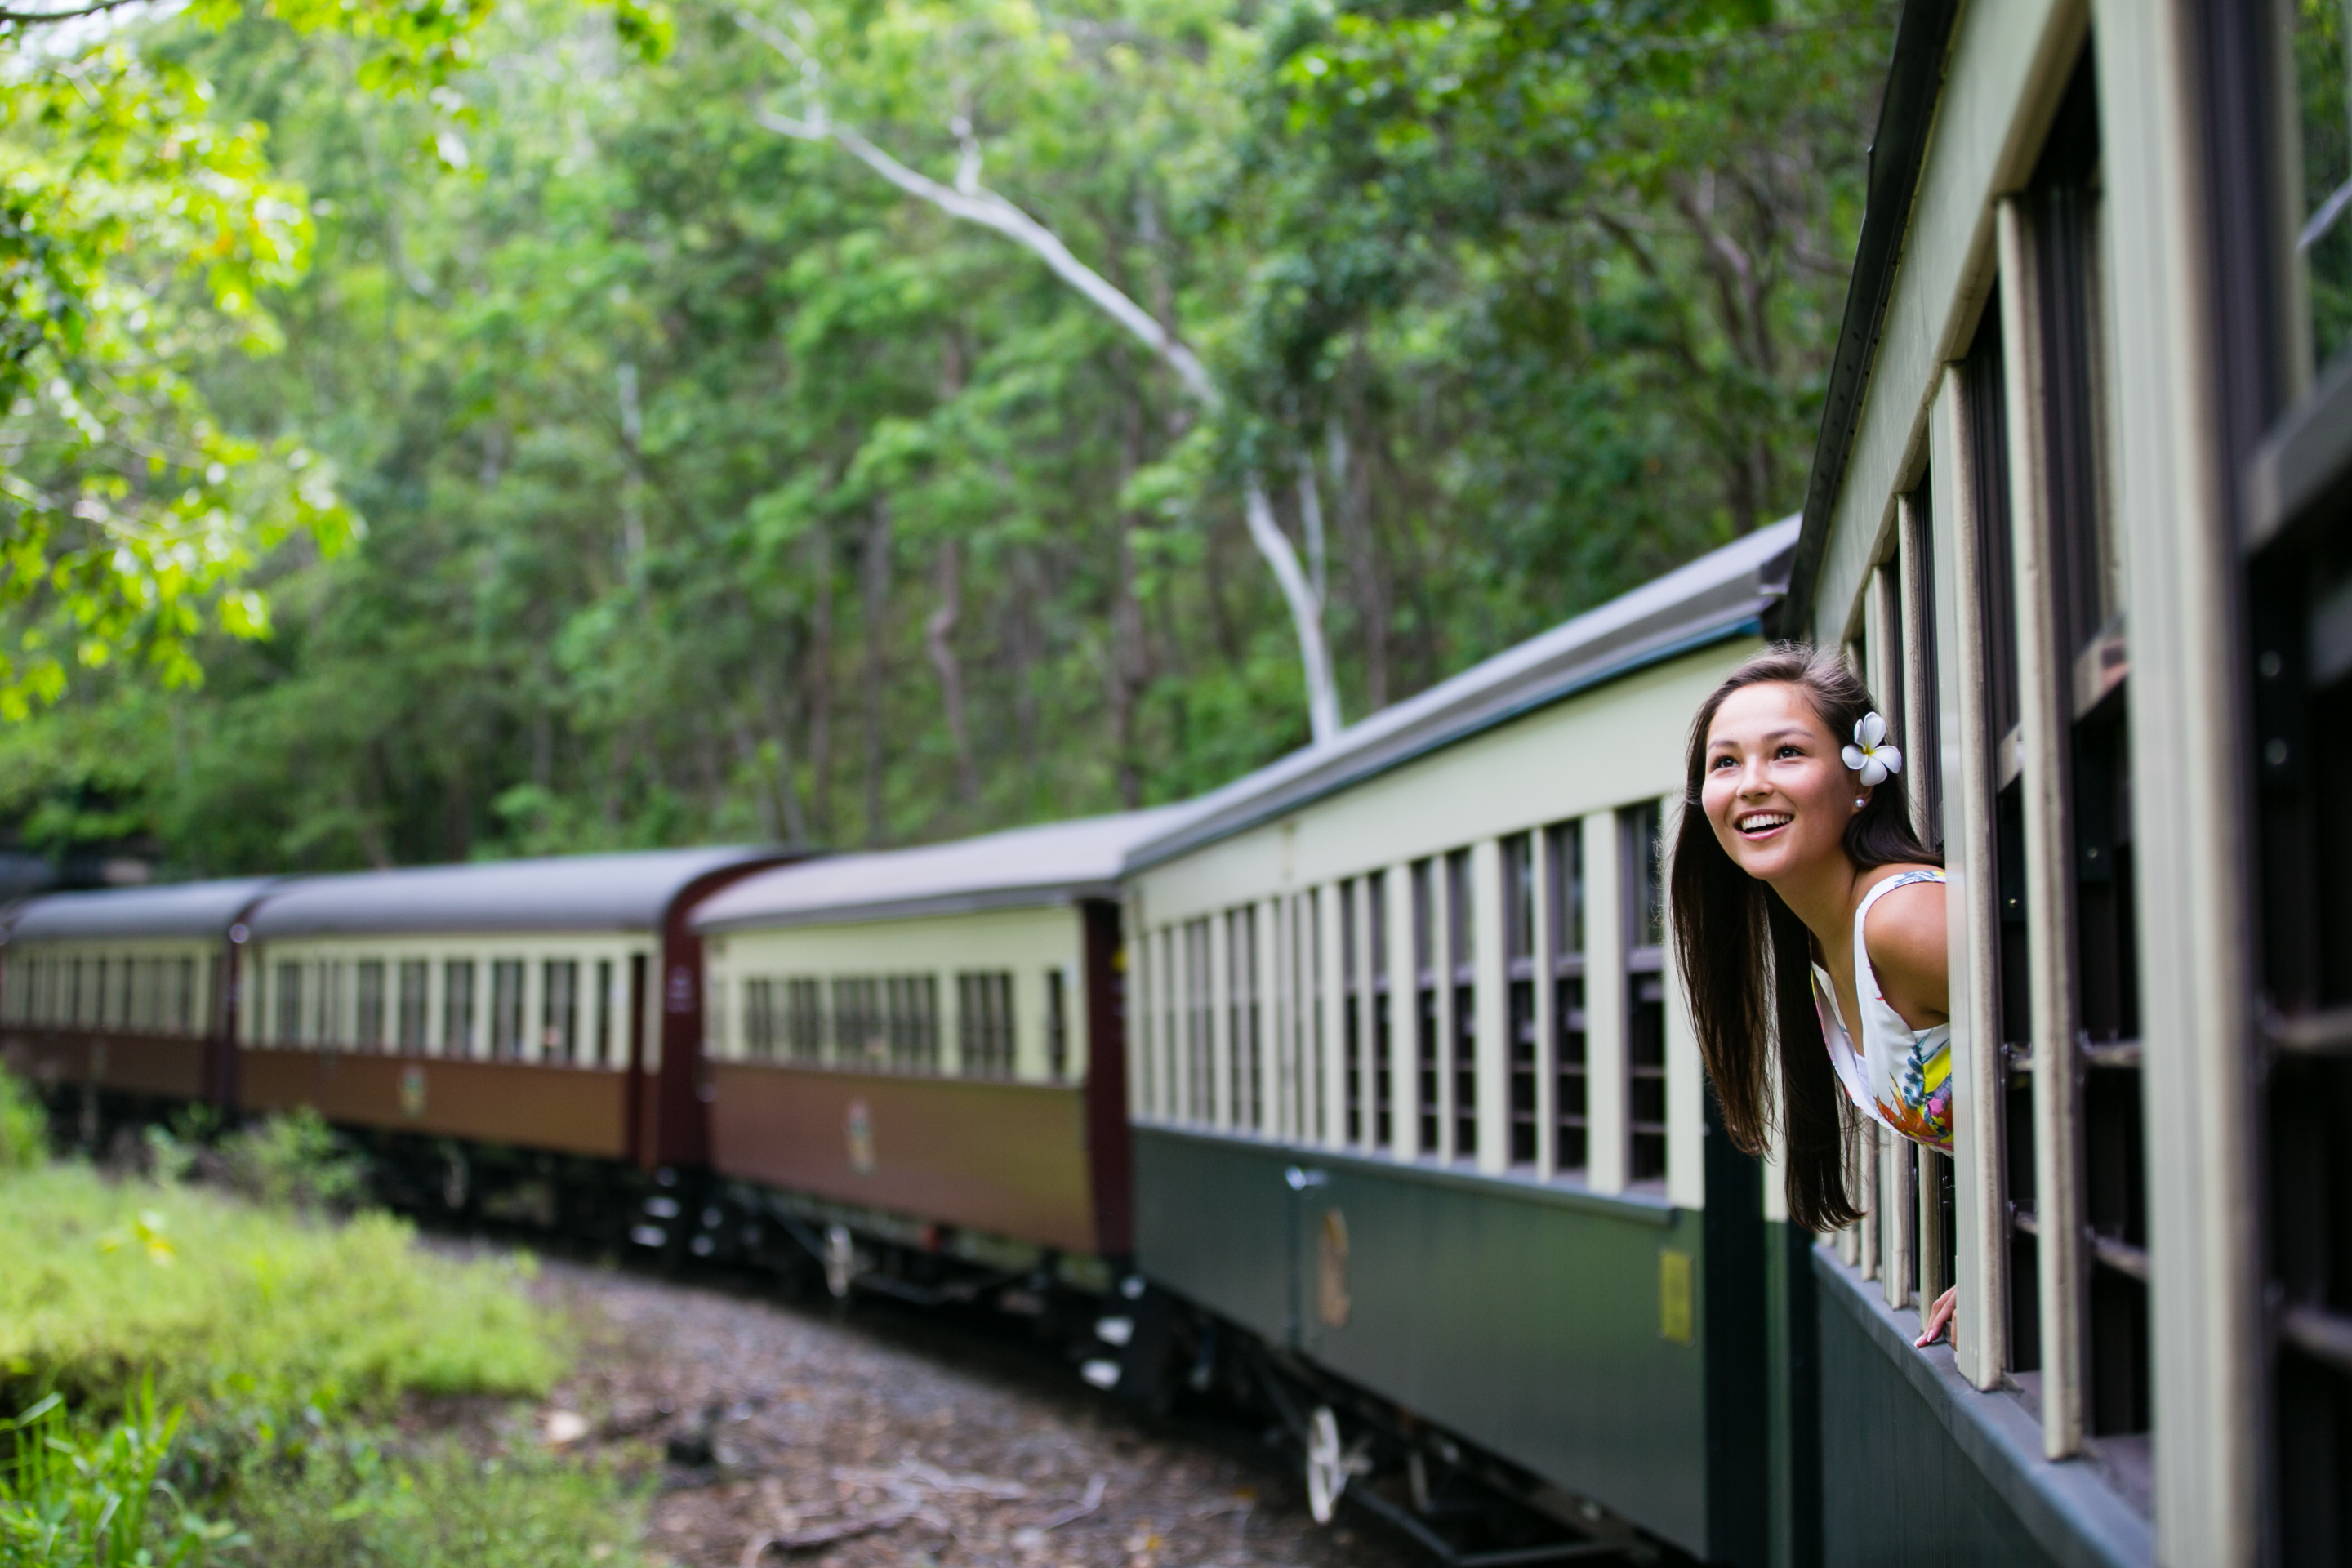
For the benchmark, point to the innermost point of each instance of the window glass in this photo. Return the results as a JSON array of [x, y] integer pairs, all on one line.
[[1645, 996], [1520, 1000], [1462, 990], [370, 1003], [457, 1007]]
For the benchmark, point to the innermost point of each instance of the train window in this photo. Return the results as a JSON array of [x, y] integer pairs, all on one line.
[[409, 1018], [1245, 1104], [97, 1013], [1426, 1087], [1351, 1021], [506, 1008], [2085, 1202], [759, 1018], [1198, 1023], [333, 985], [1172, 1044], [985, 1036], [287, 1002], [2301, 606], [458, 1036], [370, 1003], [1519, 999], [805, 1019], [1318, 1125], [1462, 987], [1564, 895], [1646, 995], [2325, 242], [127, 972], [559, 1009], [859, 1039], [911, 1003], [184, 1010], [1057, 1025], [605, 1005], [1376, 949]]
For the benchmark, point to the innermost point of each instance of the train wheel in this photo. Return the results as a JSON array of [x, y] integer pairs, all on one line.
[[1326, 1465]]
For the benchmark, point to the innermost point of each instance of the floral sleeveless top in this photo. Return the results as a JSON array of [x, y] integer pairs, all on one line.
[[1901, 1077]]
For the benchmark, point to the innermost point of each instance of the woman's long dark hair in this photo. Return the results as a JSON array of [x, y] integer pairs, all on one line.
[[1746, 958]]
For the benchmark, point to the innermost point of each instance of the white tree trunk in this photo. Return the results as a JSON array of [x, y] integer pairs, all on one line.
[[970, 200]]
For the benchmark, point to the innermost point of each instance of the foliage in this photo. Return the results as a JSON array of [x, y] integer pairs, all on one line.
[[71, 1498], [140, 238], [295, 1160], [360, 1502], [228, 1306], [24, 1126], [717, 490]]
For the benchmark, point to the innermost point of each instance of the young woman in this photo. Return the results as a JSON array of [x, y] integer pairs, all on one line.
[[1806, 910]]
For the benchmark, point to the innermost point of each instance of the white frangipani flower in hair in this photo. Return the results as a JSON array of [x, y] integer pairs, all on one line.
[[1869, 755]]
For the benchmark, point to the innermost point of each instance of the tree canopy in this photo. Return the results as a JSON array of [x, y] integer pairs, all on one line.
[[699, 482]]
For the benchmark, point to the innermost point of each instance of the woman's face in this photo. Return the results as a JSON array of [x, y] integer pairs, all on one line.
[[1776, 791]]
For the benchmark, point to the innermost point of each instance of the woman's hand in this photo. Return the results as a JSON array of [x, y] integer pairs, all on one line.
[[1939, 1318]]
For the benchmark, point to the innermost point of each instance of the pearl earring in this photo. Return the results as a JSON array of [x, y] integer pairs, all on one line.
[[1860, 801]]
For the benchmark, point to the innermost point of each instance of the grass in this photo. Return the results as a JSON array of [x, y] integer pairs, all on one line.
[[224, 1303], [206, 1381], [356, 1504]]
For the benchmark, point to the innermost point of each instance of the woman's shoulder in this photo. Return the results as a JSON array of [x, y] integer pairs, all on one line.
[[1903, 929]]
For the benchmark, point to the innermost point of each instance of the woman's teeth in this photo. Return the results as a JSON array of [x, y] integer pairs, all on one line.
[[1764, 821]]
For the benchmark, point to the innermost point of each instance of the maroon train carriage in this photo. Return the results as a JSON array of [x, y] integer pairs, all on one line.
[[119, 1003], [517, 1038], [919, 1062]]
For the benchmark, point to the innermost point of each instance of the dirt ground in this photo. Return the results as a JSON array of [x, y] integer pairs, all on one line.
[[787, 1437]]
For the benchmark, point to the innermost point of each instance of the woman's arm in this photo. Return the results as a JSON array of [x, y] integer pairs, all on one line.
[[1906, 937]]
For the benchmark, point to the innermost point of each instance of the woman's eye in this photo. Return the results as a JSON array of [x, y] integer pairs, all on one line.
[[1721, 762], [1787, 752]]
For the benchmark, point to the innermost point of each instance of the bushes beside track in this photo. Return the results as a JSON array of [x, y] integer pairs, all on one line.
[[258, 1382]]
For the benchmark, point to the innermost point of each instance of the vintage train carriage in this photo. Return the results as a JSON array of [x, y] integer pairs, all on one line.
[[922, 1046], [551, 1005], [125, 994], [1416, 1105], [2079, 513]]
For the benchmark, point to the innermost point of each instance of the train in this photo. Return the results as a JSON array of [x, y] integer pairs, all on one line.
[[1362, 1092]]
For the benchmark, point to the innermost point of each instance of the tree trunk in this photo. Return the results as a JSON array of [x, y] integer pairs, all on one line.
[[938, 638], [873, 585], [1351, 488], [819, 681]]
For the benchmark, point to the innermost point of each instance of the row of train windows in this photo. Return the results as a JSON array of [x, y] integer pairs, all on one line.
[[1547, 1099], [2036, 621], [156, 995], [892, 1021], [391, 1006]]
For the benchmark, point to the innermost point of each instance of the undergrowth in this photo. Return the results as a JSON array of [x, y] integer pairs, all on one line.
[[227, 1304], [361, 1504]]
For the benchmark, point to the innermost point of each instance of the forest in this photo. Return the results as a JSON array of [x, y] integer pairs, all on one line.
[[435, 432]]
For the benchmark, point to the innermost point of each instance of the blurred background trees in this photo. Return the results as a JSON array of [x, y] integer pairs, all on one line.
[[713, 487]]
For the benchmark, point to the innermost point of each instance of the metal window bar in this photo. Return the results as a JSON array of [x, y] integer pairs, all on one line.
[[1895, 1173]]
